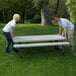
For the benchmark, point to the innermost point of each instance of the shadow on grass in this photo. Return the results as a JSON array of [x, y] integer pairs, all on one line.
[[44, 53]]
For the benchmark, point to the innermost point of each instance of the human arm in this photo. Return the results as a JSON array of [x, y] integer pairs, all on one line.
[[60, 30], [64, 33], [12, 32]]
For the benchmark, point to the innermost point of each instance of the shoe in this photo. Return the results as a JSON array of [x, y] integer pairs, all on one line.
[[8, 52], [72, 49], [16, 51]]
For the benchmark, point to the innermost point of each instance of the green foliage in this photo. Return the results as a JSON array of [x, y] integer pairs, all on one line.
[[62, 9], [29, 8], [72, 9], [36, 19], [9, 7], [39, 3]]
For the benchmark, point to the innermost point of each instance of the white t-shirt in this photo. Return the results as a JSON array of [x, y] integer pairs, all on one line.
[[9, 25], [65, 23]]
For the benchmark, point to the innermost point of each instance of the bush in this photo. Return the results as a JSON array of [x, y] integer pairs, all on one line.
[[72, 10], [36, 19]]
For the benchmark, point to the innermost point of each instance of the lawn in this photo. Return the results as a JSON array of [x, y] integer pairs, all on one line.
[[43, 61]]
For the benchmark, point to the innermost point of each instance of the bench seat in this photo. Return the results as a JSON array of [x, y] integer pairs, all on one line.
[[41, 44]]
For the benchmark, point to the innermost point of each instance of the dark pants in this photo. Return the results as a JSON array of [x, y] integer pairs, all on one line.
[[9, 42]]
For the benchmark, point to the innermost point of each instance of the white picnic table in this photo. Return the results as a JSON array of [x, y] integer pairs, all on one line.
[[35, 38], [39, 41]]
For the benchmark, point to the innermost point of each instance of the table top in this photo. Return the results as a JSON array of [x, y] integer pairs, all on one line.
[[35, 38]]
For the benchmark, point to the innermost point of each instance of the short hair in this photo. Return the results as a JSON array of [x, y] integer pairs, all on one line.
[[16, 16], [58, 16]]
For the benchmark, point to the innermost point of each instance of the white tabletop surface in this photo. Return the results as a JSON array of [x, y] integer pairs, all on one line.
[[35, 38]]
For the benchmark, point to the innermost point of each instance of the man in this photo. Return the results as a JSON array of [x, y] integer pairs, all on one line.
[[8, 32], [68, 29]]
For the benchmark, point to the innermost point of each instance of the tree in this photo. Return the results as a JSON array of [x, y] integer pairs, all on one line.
[[6, 9], [33, 10], [57, 7], [72, 10], [62, 10], [9, 7], [42, 5], [25, 8], [3, 6]]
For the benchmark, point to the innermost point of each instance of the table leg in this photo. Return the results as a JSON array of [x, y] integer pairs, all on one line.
[[20, 51], [62, 49]]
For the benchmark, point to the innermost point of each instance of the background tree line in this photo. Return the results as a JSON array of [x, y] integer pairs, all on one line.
[[36, 11]]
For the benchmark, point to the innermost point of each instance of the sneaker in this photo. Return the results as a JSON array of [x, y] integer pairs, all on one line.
[[7, 52], [72, 49]]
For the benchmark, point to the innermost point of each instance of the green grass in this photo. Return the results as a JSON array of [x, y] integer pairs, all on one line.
[[43, 61]]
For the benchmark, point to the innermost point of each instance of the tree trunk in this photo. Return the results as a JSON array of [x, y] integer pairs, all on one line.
[[23, 13], [3, 16], [45, 15], [23, 17], [57, 6]]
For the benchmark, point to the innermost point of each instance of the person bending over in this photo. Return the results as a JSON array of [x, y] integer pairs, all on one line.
[[8, 32], [68, 29]]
